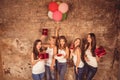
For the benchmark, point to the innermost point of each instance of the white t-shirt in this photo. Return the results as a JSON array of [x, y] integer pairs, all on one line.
[[81, 64], [39, 67], [92, 60], [62, 59], [50, 52]]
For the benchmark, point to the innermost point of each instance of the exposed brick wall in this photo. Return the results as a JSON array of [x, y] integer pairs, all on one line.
[[1, 69], [21, 22]]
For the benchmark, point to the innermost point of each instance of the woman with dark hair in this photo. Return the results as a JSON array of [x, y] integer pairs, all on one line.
[[76, 54], [38, 65], [90, 56], [62, 56]]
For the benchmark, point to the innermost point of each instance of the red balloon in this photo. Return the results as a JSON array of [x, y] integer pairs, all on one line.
[[53, 6], [57, 16]]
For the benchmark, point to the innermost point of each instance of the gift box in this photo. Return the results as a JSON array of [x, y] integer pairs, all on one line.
[[43, 55], [72, 46], [59, 55], [100, 51], [45, 32]]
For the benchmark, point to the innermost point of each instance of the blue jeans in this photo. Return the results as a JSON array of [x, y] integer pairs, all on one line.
[[79, 74], [90, 72], [50, 74], [38, 76], [62, 68]]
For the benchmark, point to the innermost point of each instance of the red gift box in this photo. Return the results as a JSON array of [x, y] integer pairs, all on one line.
[[100, 51], [72, 46], [45, 32], [59, 55], [43, 55]]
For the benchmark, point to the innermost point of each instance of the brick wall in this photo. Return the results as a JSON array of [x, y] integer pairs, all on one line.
[[21, 22]]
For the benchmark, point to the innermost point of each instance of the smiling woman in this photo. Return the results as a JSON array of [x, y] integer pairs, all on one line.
[[22, 21]]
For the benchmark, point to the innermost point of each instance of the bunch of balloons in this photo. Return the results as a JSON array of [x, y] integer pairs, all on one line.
[[57, 11]]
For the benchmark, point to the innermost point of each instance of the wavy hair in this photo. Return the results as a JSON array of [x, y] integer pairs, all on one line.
[[59, 45], [35, 51]]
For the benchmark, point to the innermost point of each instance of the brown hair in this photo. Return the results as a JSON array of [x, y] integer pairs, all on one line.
[[59, 45], [93, 43], [35, 51]]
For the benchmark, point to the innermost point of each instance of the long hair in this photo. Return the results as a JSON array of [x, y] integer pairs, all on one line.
[[93, 43], [59, 45], [83, 43], [79, 43], [35, 51]]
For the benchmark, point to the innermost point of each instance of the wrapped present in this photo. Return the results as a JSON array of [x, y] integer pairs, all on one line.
[[43, 55], [100, 51], [45, 32], [59, 55], [72, 46]]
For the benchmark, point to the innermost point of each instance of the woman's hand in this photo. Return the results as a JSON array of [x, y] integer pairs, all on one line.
[[58, 28], [43, 37], [86, 58], [98, 58], [76, 70], [39, 59], [52, 67]]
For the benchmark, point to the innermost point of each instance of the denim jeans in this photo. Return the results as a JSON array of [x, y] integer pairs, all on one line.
[[79, 74], [90, 72], [50, 74], [38, 76], [62, 68]]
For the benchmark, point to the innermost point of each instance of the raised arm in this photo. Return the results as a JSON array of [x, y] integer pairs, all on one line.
[[42, 38], [57, 31]]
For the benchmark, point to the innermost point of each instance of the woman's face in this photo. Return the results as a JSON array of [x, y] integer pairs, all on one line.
[[77, 42], [38, 46], [62, 42], [89, 39], [52, 41]]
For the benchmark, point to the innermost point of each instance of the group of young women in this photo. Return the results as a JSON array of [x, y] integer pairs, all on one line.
[[83, 56]]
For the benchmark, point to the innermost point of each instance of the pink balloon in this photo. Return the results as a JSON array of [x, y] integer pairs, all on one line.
[[57, 16], [63, 7]]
